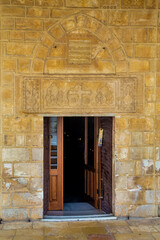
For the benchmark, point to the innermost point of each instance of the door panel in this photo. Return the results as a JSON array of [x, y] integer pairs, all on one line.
[[106, 124], [92, 165], [46, 165], [56, 164]]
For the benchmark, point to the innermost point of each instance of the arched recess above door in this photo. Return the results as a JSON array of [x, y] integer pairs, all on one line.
[[79, 44]]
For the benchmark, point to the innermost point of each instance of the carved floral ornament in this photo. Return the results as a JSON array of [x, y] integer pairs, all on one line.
[[81, 94]]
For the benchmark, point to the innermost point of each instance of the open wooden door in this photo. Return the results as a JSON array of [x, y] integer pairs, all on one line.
[[92, 162], [56, 164]]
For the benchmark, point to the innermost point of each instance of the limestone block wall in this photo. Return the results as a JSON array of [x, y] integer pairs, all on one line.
[[38, 39]]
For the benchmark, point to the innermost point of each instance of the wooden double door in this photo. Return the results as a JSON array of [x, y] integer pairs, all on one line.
[[54, 162]]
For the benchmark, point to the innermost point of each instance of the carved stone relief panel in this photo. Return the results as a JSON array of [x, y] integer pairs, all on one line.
[[81, 94]]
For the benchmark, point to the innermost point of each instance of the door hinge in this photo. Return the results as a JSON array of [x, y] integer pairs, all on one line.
[[97, 191]]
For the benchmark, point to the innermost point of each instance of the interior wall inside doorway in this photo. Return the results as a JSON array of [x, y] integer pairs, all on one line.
[[73, 159]]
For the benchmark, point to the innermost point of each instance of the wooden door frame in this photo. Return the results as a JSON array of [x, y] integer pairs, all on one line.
[[57, 203]]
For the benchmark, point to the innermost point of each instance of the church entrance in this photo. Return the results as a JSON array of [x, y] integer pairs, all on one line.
[[77, 165]]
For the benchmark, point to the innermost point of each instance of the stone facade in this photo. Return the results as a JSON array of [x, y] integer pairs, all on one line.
[[94, 57]]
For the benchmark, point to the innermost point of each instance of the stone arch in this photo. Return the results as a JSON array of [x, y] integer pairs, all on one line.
[[56, 53]]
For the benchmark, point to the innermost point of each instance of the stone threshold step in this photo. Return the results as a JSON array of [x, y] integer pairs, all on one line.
[[99, 217]]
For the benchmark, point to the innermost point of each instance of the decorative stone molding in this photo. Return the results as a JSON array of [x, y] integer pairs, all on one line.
[[81, 94]]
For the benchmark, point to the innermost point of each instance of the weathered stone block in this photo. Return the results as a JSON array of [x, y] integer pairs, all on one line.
[[145, 182], [142, 211], [9, 140], [50, 3], [61, 13], [150, 94], [143, 18], [121, 182], [69, 24], [138, 171], [140, 35], [127, 35], [138, 65], [27, 199], [37, 154], [15, 154], [150, 109], [122, 154], [59, 51], [121, 66], [152, 36], [57, 32], [148, 152], [136, 196], [150, 79], [23, 124], [54, 66], [141, 124], [41, 51], [34, 140], [118, 18], [157, 167], [32, 35], [137, 138], [36, 213], [82, 3], [20, 49], [24, 2], [15, 214], [157, 137], [12, 11], [9, 64], [158, 108], [148, 138], [149, 196], [16, 35], [136, 153], [20, 140], [6, 200], [7, 23], [132, 4], [123, 138], [121, 210], [38, 66], [36, 184], [7, 170], [125, 168], [121, 123], [5, 36], [24, 65], [7, 94], [37, 12], [15, 184], [4, 1], [122, 197], [145, 51], [28, 169], [28, 24], [37, 124], [147, 166]]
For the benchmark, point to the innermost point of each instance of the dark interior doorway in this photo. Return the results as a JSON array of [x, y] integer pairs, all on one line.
[[85, 181], [73, 159]]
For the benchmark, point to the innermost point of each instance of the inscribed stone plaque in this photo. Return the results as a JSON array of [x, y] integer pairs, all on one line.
[[79, 52], [64, 94]]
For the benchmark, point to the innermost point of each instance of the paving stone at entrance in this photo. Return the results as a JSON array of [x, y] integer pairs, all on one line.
[[145, 229], [100, 237], [132, 236]]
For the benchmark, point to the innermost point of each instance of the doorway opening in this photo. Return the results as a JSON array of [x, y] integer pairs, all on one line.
[[77, 165]]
